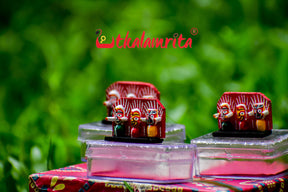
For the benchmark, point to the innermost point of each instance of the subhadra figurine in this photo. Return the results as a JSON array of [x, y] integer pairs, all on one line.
[[243, 114], [135, 120], [145, 123]]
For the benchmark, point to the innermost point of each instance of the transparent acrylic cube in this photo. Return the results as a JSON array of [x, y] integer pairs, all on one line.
[[99, 130], [234, 157], [153, 163]]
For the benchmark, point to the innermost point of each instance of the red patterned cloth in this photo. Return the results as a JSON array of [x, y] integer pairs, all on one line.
[[74, 179]]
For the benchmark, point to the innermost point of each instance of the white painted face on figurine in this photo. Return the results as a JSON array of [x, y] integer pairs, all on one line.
[[119, 111], [131, 95], [224, 109], [113, 96]]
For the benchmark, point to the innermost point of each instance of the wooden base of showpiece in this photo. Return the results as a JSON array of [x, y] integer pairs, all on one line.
[[106, 122], [135, 140], [245, 134]]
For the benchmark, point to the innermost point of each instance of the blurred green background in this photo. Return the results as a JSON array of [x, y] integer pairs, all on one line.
[[53, 78]]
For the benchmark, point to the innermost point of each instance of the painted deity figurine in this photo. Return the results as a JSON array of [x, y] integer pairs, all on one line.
[[244, 114], [136, 112], [119, 118], [129, 89], [135, 121], [241, 112], [224, 115], [152, 118], [260, 112], [113, 96]]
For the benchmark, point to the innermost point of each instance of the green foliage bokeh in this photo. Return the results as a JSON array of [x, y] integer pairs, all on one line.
[[53, 78]]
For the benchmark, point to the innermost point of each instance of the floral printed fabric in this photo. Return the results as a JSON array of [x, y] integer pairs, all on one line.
[[74, 179]]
